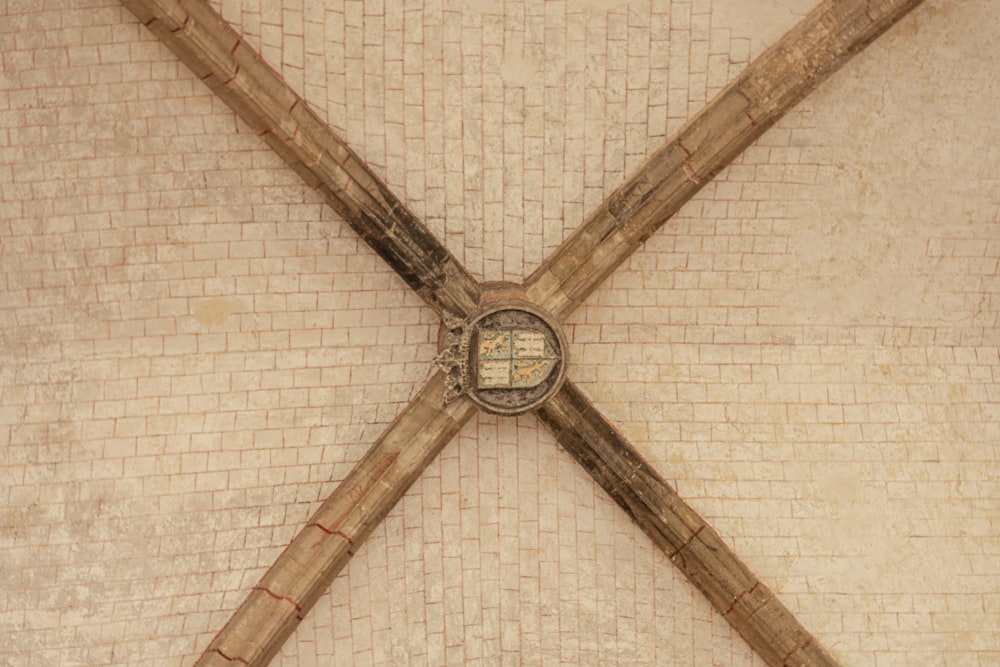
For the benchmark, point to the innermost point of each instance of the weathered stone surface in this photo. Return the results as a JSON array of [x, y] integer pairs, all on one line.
[[219, 56], [773, 84], [690, 543], [849, 256], [304, 571]]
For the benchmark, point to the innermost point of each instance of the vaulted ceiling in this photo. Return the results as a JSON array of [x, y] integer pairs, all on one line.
[[198, 348]]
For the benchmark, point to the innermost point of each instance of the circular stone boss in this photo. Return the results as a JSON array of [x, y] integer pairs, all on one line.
[[517, 358]]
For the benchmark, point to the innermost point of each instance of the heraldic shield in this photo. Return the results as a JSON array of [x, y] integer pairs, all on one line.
[[513, 358], [508, 357]]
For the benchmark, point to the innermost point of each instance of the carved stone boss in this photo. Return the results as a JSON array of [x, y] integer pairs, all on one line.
[[509, 357]]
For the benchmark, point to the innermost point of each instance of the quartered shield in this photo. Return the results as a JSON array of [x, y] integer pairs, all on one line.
[[513, 358], [508, 358]]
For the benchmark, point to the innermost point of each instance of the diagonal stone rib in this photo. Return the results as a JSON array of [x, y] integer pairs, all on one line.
[[218, 55], [815, 48], [684, 536], [309, 564]]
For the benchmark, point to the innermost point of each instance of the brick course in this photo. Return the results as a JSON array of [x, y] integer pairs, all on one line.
[[194, 349]]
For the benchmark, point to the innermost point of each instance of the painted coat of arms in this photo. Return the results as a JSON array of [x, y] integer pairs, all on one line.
[[513, 358], [507, 358]]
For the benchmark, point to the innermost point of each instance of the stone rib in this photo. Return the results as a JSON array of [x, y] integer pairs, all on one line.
[[309, 564], [684, 536], [815, 48], [219, 56]]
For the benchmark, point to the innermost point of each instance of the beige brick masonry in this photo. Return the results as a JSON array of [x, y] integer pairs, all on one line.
[[195, 350]]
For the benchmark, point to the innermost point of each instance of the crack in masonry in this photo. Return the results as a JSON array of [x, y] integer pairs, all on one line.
[[235, 659], [739, 597], [183, 26], [801, 647], [233, 77], [684, 148], [687, 543], [279, 597], [753, 121], [329, 532], [693, 175], [689, 170]]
